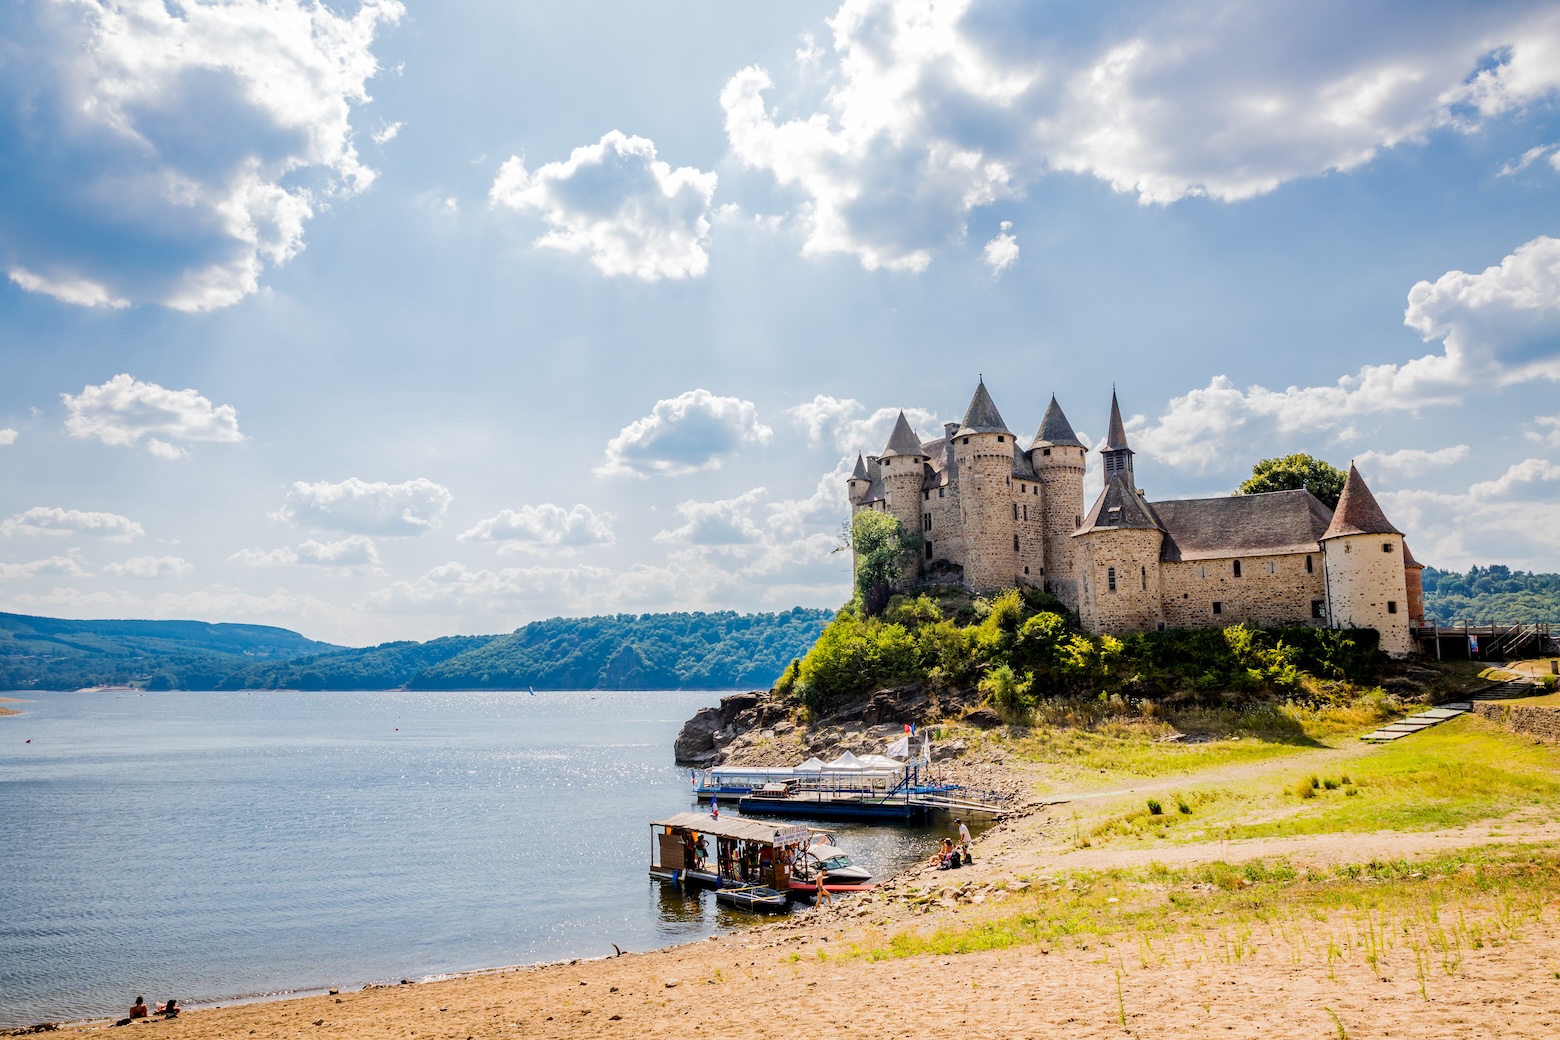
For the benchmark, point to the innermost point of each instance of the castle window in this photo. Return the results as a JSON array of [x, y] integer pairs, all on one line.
[[925, 495], [1237, 568], [1391, 606], [1310, 568], [1347, 547], [1386, 546], [1159, 626], [928, 550], [1001, 439], [1015, 510], [1015, 543], [1319, 608], [926, 521], [939, 492], [1272, 566], [1145, 578], [1026, 570], [1218, 608], [966, 440], [887, 462], [1202, 572], [1026, 510], [1045, 451], [1110, 576], [1077, 521]]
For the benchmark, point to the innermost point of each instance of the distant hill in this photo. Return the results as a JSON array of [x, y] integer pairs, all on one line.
[[687, 651], [53, 654], [1491, 594]]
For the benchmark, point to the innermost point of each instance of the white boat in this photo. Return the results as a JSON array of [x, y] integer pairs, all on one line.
[[834, 860]]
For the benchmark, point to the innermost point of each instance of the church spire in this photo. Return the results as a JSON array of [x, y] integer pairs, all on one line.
[[1117, 456]]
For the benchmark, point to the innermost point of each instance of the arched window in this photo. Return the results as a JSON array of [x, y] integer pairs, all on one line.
[[1237, 568], [1110, 577]]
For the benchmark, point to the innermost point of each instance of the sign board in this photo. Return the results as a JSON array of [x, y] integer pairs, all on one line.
[[793, 835]]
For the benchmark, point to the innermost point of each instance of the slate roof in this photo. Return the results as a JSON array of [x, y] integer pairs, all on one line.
[[1409, 563], [1116, 437], [860, 473], [1022, 467], [1357, 511], [1120, 506], [941, 467], [1270, 524], [1055, 430], [982, 415], [903, 440]]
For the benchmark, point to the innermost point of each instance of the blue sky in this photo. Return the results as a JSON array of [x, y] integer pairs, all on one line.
[[392, 321]]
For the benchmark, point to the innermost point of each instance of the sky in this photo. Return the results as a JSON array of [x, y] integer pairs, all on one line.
[[397, 320]]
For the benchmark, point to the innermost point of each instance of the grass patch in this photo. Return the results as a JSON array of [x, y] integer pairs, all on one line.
[[1392, 915]]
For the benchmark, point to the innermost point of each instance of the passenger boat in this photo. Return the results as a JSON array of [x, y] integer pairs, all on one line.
[[757, 855]]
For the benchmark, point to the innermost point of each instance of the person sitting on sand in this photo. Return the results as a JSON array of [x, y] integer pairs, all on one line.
[[170, 1009], [139, 1008]]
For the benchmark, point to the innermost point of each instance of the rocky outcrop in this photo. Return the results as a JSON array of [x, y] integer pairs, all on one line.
[[695, 744]]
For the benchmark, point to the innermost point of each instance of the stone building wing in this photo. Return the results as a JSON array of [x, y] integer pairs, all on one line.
[[1271, 524], [982, 415], [903, 440], [1120, 506], [1055, 430], [1357, 511]]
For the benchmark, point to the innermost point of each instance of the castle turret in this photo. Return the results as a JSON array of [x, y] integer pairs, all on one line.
[[1114, 452], [902, 468], [1363, 558], [1059, 459], [857, 483], [983, 448]]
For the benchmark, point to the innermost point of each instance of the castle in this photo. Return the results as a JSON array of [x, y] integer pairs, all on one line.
[[993, 515]]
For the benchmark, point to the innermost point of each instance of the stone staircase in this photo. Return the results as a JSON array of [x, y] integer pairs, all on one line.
[[1435, 716]]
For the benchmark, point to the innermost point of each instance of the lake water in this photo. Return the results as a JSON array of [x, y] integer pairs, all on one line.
[[222, 846]]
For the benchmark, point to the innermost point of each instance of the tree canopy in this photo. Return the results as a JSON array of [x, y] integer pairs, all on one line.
[[883, 548], [1293, 472]]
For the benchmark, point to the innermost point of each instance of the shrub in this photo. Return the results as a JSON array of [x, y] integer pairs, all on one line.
[[1182, 807], [1154, 808], [1008, 694], [1303, 789], [1330, 784]]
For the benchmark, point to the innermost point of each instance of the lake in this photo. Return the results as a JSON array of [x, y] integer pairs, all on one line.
[[227, 846]]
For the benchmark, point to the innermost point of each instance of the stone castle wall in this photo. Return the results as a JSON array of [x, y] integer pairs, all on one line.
[[946, 534], [1272, 590], [1063, 509], [1134, 604], [1366, 587], [985, 469], [1027, 506]]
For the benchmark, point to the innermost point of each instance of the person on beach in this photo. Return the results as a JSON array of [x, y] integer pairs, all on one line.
[[139, 1008], [964, 840], [170, 1009], [822, 893]]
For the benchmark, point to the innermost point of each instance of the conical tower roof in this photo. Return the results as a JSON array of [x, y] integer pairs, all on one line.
[[1116, 437], [1357, 511], [903, 440], [982, 415], [1409, 563], [861, 469], [1055, 430]]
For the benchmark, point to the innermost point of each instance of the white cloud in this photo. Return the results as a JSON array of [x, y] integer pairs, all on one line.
[[543, 527], [721, 523], [1549, 423], [1410, 462], [614, 200], [455, 588], [123, 410], [1497, 327], [935, 109], [411, 507], [1529, 157], [1509, 519], [693, 431], [835, 419], [151, 567], [7, 437], [1002, 252], [68, 566], [168, 153], [387, 133], [52, 520], [348, 554]]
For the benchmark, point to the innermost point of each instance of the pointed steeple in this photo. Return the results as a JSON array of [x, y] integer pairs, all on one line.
[[1116, 436], [1115, 453], [1055, 430], [903, 440], [860, 472], [1358, 512], [982, 415]]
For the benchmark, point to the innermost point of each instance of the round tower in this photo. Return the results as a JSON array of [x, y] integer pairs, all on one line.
[[983, 449], [1363, 561], [902, 467], [1059, 459], [858, 482]]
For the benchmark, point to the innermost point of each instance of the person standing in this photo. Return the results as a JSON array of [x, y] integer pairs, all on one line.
[[822, 894], [964, 840]]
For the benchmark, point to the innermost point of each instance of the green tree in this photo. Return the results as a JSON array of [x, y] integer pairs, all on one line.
[[1293, 472], [883, 548]]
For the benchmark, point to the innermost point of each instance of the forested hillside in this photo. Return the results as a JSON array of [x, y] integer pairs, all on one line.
[[1491, 594], [52, 654], [689, 651]]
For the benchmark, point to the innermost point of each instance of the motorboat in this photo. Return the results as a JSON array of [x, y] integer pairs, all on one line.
[[834, 860]]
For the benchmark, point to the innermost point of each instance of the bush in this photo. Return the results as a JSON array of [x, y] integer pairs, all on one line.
[[1154, 808], [1303, 789], [1182, 807], [1330, 784], [1008, 694]]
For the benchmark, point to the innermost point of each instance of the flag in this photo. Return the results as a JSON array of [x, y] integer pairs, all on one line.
[[533, 692], [909, 728]]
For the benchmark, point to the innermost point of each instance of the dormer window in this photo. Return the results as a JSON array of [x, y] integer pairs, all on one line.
[[1001, 439]]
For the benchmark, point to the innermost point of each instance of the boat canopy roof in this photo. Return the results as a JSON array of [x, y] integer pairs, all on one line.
[[739, 827]]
